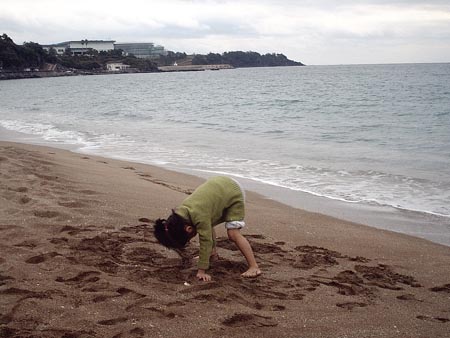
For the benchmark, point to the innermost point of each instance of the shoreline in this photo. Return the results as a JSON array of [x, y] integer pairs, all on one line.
[[417, 224], [46, 74], [78, 258]]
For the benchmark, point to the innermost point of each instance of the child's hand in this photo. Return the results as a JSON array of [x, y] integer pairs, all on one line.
[[202, 275]]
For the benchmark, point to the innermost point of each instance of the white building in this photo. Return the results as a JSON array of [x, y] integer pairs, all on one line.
[[81, 47], [116, 66]]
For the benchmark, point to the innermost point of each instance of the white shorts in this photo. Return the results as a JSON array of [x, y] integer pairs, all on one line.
[[234, 225]]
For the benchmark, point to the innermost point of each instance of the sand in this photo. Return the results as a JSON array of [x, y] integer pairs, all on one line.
[[78, 259]]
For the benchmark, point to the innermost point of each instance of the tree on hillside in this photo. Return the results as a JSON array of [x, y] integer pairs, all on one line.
[[199, 59], [29, 55], [171, 58], [244, 59], [52, 55], [33, 54], [114, 53], [214, 58], [8, 53], [144, 65]]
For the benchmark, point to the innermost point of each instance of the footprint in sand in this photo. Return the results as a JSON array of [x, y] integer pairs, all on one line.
[[71, 230], [20, 189], [248, 319], [143, 256], [72, 204], [409, 297], [113, 321], [46, 213], [433, 319], [258, 248], [24, 199], [161, 312], [172, 187], [224, 267], [25, 293], [88, 192], [27, 244], [384, 277], [222, 298], [147, 305], [144, 229], [137, 332], [58, 240], [443, 288], [4, 279], [41, 258], [365, 279], [81, 280], [121, 292], [266, 248], [351, 305], [313, 256], [278, 307]]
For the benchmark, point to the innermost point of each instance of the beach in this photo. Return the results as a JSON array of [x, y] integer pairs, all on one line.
[[78, 259]]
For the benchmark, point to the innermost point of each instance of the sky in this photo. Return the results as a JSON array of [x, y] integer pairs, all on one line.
[[313, 32]]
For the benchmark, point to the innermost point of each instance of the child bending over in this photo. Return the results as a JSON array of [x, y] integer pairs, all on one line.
[[220, 199]]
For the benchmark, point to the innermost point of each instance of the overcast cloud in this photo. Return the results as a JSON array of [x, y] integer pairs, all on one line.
[[314, 32]]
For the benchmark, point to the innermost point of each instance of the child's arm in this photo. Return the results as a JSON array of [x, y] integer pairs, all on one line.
[[206, 245]]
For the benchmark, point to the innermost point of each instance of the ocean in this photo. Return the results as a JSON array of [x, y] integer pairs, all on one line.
[[370, 139]]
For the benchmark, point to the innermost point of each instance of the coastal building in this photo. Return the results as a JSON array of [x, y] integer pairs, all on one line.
[[81, 47], [116, 67], [142, 50]]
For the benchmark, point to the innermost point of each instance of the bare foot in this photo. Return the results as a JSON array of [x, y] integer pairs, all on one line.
[[251, 273]]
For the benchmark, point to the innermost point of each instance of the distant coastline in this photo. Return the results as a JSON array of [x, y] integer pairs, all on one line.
[[32, 60], [36, 74], [15, 75]]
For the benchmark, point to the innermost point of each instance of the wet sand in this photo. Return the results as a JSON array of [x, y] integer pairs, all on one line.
[[78, 259]]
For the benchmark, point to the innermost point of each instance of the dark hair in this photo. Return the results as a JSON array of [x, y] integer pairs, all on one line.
[[171, 232]]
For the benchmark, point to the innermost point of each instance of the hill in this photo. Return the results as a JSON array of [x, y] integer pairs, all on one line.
[[31, 60]]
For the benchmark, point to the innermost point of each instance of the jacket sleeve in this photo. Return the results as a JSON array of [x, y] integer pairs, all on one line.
[[206, 244]]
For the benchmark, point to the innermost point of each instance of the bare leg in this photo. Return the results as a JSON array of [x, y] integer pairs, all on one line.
[[244, 246]]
